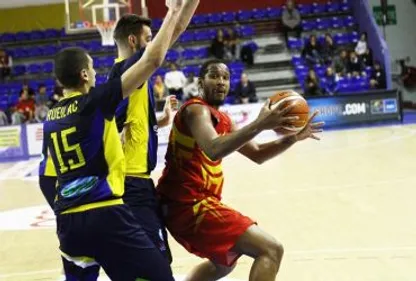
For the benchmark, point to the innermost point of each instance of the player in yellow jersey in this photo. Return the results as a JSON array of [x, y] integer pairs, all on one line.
[[80, 134], [136, 117]]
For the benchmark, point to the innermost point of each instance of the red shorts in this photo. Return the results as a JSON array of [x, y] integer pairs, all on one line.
[[208, 229]]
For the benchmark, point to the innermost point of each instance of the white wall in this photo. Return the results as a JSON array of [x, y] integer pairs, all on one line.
[[401, 38]]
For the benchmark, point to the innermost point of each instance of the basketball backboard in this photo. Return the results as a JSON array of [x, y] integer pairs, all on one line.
[[84, 15]]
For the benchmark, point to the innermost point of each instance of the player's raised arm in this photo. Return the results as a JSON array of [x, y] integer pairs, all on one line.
[[187, 11], [199, 121], [155, 53]]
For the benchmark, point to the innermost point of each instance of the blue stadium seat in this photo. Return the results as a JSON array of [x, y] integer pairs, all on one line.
[[35, 51], [349, 21], [47, 67], [100, 80], [212, 33], [172, 56], [318, 8], [8, 37], [337, 22], [19, 53], [320, 70], [321, 39], [246, 31], [4, 91], [297, 60], [345, 6], [368, 71], [14, 98], [202, 53], [244, 15], [214, 18], [161, 71], [189, 54], [323, 23], [65, 45], [308, 25], [49, 50], [228, 17], [187, 36], [22, 36], [37, 35], [332, 7], [341, 39], [274, 12], [344, 86], [199, 19], [34, 68], [14, 87], [19, 70], [201, 35], [52, 33], [295, 43], [253, 46], [353, 37], [301, 70], [49, 82], [157, 23], [305, 9], [259, 14]]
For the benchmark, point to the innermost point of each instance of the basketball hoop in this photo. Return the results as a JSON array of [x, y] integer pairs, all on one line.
[[106, 30]]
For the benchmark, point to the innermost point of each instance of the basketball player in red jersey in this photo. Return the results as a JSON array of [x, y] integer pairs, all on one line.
[[191, 184]]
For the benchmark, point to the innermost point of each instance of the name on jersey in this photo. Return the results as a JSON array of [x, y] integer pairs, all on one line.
[[60, 112]]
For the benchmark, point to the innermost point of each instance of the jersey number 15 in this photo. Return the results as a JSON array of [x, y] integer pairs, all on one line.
[[60, 139]]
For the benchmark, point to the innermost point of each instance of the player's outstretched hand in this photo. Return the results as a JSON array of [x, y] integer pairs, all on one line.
[[174, 5], [310, 129], [171, 104], [269, 118]]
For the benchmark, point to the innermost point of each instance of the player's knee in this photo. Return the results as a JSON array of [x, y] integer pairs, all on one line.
[[275, 252], [222, 271]]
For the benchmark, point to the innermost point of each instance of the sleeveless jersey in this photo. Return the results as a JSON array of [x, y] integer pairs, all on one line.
[[189, 174]]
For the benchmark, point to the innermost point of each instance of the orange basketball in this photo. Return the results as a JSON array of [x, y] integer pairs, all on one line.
[[285, 98]]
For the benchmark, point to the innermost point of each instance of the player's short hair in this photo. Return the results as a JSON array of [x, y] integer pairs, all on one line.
[[68, 64], [129, 24], [206, 65]]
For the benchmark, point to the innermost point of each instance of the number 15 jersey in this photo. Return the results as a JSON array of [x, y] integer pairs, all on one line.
[[81, 137]]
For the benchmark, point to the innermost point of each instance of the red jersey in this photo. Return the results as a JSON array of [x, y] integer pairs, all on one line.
[[189, 174]]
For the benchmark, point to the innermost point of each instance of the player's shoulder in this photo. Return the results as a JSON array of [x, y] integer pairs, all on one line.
[[193, 109], [116, 70]]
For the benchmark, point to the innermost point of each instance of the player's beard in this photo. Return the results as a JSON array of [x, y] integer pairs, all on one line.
[[216, 102]]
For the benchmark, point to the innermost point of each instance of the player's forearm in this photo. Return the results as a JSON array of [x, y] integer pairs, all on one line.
[[163, 121], [269, 150], [186, 13], [152, 58], [225, 145]]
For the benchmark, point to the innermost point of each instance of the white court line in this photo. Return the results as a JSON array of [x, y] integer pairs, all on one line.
[[291, 253], [13, 170]]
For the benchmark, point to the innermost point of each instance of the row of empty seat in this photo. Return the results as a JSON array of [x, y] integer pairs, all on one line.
[[328, 22], [108, 61], [94, 46]]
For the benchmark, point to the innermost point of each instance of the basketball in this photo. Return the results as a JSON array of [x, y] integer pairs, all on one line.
[[285, 98]]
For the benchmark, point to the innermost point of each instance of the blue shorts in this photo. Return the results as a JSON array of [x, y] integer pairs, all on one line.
[[140, 196], [111, 237]]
